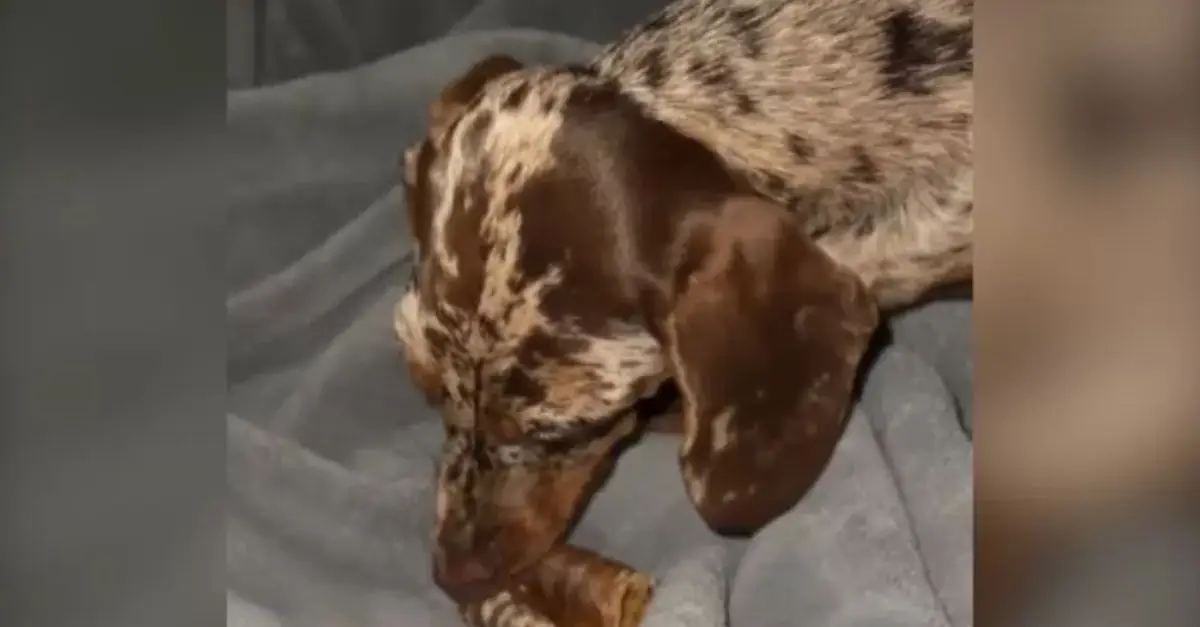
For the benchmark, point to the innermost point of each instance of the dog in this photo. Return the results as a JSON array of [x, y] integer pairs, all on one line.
[[727, 199]]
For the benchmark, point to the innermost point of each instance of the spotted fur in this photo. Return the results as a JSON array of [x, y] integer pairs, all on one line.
[[856, 114], [724, 199]]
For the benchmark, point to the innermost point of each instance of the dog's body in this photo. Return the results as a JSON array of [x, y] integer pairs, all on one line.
[[724, 199], [854, 114]]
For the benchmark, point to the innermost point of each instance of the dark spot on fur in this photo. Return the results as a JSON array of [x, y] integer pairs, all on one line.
[[517, 96], [774, 184], [820, 231], [547, 106], [514, 175], [522, 388], [813, 204], [865, 227], [509, 306], [920, 50], [744, 103], [799, 147], [437, 340], [745, 23], [474, 134], [488, 328], [654, 68], [715, 74], [721, 77], [902, 51], [481, 455], [542, 346], [516, 282], [864, 170], [940, 196]]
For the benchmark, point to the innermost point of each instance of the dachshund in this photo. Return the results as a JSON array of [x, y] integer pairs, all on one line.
[[727, 200]]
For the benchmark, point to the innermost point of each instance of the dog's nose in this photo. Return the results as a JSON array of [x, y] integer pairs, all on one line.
[[462, 577]]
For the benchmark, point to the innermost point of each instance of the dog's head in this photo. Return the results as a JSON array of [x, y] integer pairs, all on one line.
[[573, 254]]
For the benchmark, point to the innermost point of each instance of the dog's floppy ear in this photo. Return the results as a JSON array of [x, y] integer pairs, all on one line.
[[457, 95], [765, 334]]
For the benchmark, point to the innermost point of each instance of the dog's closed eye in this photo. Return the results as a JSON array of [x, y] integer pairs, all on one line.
[[567, 436], [513, 454]]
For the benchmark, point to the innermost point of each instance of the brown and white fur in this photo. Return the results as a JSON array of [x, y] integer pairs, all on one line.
[[711, 201]]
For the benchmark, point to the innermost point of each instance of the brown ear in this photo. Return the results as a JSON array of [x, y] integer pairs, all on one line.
[[456, 96], [765, 333]]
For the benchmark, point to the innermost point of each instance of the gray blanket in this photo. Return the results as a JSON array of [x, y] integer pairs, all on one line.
[[331, 452]]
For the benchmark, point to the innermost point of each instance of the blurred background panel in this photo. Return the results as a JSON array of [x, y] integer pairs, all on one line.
[[1088, 318]]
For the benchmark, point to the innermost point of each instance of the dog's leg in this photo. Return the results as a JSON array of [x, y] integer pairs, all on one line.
[[924, 245]]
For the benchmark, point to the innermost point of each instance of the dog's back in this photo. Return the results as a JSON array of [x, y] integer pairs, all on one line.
[[856, 114]]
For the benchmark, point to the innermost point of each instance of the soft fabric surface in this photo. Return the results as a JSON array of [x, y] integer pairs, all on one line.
[[331, 451]]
